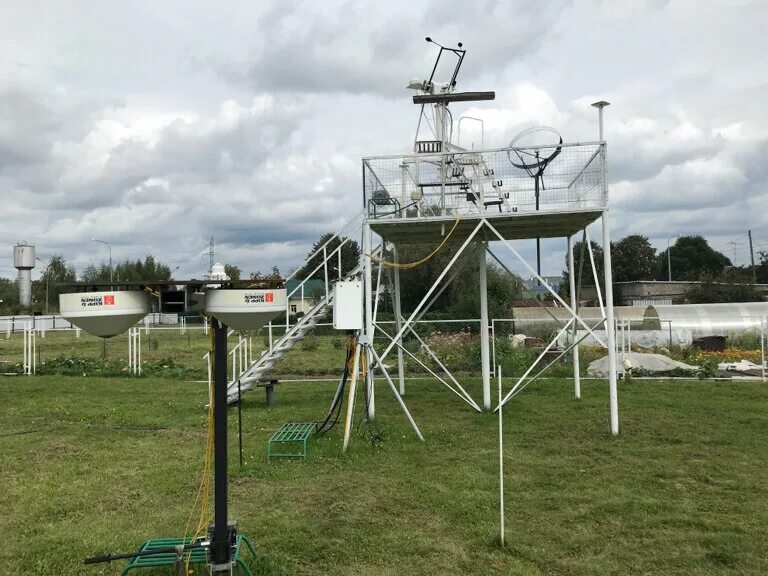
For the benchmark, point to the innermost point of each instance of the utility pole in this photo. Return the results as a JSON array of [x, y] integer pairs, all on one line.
[[752, 257], [733, 245], [210, 256]]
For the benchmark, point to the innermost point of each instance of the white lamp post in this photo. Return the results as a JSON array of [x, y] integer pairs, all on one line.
[[108, 245]]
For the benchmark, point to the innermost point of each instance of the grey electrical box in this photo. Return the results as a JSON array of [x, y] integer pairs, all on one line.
[[348, 305]]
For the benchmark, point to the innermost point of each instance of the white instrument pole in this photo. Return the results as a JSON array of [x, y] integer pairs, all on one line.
[[501, 467]]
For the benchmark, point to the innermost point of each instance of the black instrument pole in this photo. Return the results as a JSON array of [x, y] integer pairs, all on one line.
[[220, 544]]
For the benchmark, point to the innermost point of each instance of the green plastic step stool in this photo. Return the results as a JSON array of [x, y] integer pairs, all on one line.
[[197, 555], [291, 434]]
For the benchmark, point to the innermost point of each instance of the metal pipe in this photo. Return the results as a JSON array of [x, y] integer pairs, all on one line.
[[220, 544], [368, 294], [609, 327], [575, 305], [398, 320], [484, 353], [501, 467]]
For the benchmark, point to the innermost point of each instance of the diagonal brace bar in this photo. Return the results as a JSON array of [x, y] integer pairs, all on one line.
[[544, 283]]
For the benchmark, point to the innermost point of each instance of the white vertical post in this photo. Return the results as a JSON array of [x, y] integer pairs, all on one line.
[[130, 350], [398, 322], [325, 270], [137, 347], [205, 326], [24, 353], [609, 326], [763, 327], [367, 295], [351, 398], [501, 465], [270, 337], [575, 306], [484, 345]]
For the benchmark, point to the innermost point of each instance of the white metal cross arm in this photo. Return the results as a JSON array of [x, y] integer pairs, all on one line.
[[466, 397], [562, 353], [543, 282], [559, 321], [403, 407], [594, 272], [536, 362], [445, 271], [443, 367]]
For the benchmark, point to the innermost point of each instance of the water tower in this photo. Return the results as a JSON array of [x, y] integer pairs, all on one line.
[[24, 261]]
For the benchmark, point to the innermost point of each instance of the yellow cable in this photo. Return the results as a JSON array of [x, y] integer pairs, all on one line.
[[409, 265], [203, 491]]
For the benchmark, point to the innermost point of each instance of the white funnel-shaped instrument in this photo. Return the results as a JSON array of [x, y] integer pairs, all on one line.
[[245, 310], [104, 314]]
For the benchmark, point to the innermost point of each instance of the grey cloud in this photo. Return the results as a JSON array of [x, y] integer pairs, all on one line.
[[362, 48]]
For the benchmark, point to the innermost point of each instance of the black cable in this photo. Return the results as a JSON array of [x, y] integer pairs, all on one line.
[[367, 427], [334, 412]]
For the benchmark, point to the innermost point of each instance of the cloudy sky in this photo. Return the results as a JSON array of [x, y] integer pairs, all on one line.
[[155, 125]]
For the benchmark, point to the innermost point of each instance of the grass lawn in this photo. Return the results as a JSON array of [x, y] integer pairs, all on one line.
[[94, 465], [319, 355]]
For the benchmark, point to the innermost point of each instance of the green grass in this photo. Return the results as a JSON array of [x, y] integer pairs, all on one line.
[[316, 355], [186, 350], [94, 465]]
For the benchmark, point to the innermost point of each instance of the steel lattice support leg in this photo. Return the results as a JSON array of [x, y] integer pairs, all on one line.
[[484, 338], [575, 306], [610, 326], [368, 292], [398, 322]]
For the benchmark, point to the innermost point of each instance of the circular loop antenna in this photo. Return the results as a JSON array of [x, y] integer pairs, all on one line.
[[537, 161]]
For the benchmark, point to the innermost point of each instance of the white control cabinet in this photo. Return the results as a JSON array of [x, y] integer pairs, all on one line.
[[348, 305]]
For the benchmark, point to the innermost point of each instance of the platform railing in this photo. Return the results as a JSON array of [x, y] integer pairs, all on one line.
[[502, 180]]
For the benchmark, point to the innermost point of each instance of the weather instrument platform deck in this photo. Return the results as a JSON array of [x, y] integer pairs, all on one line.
[[429, 191], [510, 226]]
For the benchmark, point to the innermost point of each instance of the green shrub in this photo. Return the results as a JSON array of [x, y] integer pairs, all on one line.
[[747, 340], [310, 342]]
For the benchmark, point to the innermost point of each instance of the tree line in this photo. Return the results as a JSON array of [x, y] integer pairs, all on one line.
[[689, 259], [46, 290]]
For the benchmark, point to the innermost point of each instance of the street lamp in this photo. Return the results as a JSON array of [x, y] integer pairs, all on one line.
[[482, 130], [47, 279], [108, 245], [669, 258], [600, 105]]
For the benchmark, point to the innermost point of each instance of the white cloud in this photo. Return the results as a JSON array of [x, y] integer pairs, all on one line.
[[167, 124]]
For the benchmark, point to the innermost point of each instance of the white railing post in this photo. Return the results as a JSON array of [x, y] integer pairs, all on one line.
[[763, 328], [130, 350], [325, 272]]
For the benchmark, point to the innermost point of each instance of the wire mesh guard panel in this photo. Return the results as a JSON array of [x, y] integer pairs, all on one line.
[[470, 182]]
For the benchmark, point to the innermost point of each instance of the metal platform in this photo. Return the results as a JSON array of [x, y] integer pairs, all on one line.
[[513, 226]]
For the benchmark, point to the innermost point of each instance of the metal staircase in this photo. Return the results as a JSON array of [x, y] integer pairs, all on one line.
[[331, 262]]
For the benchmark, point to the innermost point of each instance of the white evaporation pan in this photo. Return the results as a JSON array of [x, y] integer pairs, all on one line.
[[245, 310], [104, 314]]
